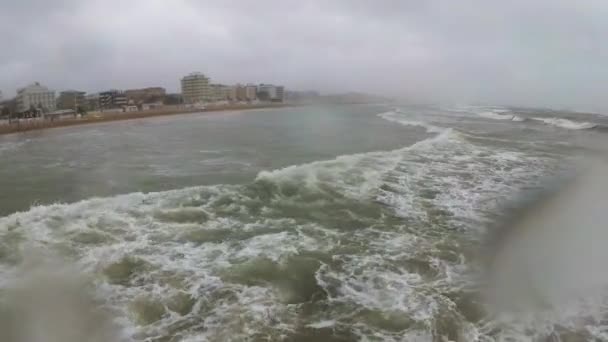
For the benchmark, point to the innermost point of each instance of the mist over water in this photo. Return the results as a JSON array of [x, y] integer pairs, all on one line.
[[317, 224]]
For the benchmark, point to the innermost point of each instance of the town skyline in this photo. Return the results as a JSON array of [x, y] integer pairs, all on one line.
[[196, 88], [11, 92]]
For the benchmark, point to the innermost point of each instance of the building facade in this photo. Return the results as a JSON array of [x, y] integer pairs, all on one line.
[[251, 92], [232, 93], [35, 96], [112, 99], [71, 99], [195, 88], [270, 92], [241, 93], [267, 92], [92, 101], [226, 92], [219, 92], [280, 94], [146, 95]]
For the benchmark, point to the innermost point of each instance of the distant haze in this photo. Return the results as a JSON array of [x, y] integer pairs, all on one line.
[[541, 53]]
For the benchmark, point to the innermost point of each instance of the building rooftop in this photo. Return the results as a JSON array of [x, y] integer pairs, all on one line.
[[33, 88]]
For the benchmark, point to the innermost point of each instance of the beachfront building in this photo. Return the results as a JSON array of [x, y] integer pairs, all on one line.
[[92, 101], [112, 99], [267, 92], [241, 94], [219, 92], [146, 95], [232, 93], [35, 96], [270, 92], [71, 99], [226, 92], [280, 94], [196, 89], [251, 91]]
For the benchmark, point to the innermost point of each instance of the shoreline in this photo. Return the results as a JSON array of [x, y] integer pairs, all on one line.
[[97, 117]]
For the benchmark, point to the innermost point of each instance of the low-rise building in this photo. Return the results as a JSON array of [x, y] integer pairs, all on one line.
[[146, 95], [71, 99], [112, 99], [219, 92], [173, 99], [92, 101], [35, 96]]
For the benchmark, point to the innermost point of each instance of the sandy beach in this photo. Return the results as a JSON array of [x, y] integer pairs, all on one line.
[[24, 125]]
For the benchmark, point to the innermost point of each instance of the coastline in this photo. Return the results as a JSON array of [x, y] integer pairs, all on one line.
[[99, 117]]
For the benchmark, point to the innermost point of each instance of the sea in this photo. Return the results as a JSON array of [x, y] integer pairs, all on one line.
[[317, 223]]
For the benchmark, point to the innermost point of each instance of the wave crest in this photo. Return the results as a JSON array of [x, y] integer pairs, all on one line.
[[395, 117], [567, 124], [500, 115]]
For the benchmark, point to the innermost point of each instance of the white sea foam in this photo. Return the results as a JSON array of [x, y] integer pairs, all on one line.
[[217, 229], [128, 220], [500, 115], [322, 324], [567, 124], [400, 118]]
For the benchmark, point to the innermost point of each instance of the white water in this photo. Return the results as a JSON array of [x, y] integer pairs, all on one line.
[[500, 115], [442, 181], [401, 119], [567, 124]]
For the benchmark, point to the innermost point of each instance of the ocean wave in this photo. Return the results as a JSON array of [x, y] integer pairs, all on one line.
[[362, 244], [395, 116], [500, 115], [567, 124]]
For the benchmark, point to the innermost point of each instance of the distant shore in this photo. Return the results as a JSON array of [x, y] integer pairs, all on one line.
[[98, 117]]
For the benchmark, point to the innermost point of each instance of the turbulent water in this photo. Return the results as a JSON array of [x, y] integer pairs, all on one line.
[[372, 245]]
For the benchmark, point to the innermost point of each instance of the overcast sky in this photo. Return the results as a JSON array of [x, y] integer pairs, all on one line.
[[545, 52]]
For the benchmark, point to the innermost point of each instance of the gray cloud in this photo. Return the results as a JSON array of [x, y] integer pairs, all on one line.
[[547, 53]]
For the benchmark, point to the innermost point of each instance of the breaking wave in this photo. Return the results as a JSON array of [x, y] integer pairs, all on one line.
[[565, 123], [398, 117], [500, 115], [364, 246]]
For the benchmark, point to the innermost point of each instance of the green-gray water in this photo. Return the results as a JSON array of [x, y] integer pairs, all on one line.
[[305, 224]]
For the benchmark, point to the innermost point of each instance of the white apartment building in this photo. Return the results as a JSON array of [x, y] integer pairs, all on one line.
[[37, 96], [196, 89]]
